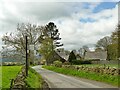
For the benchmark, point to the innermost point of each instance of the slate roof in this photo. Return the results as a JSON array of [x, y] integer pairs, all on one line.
[[63, 55], [102, 55]]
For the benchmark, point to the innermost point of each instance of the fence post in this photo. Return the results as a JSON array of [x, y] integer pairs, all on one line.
[[11, 84]]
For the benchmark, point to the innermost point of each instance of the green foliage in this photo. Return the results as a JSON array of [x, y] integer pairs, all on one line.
[[46, 47], [8, 73], [71, 57], [82, 74], [113, 51], [49, 42], [57, 63], [34, 80]]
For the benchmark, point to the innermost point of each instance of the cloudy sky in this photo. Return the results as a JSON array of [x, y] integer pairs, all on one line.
[[80, 23]]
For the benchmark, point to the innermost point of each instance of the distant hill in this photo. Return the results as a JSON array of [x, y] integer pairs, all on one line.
[[10, 60]]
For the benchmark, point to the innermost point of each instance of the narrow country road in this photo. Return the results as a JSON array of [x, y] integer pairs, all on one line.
[[56, 80]]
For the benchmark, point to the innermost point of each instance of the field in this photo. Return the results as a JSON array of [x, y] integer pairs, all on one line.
[[113, 80], [8, 73], [34, 80]]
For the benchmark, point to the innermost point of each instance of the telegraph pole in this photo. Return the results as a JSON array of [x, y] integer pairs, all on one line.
[[26, 57]]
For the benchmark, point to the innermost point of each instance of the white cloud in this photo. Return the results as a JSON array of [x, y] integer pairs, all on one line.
[[66, 16], [76, 34]]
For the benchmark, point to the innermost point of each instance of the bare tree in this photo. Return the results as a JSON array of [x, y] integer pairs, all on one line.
[[104, 42], [17, 40]]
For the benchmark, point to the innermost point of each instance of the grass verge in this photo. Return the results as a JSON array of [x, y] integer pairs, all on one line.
[[34, 80], [8, 73], [113, 80]]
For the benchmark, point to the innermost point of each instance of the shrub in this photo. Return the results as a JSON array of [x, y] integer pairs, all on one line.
[[76, 62], [43, 61], [11, 63], [71, 57], [57, 63], [66, 63], [86, 62], [79, 62]]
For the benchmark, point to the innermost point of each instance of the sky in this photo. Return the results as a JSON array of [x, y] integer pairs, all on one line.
[[79, 23]]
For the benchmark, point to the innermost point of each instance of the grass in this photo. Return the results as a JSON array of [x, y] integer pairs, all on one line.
[[34, 80], [8, 73], [113, 80]]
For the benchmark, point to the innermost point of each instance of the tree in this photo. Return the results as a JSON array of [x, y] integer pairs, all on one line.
[[113, 51], [52, 32], [114, 48], [114, 36], [71, 57], [50, 40], [104, 42], [46, 48], [81, 51], [118, 40], [17, 40], [86, 49]]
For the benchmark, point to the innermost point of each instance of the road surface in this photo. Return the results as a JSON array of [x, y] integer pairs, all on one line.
[[56, 80]]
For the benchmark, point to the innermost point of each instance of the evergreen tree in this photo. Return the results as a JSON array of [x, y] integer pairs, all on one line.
[[71, 57]]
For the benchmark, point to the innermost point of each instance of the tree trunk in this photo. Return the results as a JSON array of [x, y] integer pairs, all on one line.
[[108, 57]]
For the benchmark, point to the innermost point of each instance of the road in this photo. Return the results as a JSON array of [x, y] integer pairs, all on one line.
[[56, 80]]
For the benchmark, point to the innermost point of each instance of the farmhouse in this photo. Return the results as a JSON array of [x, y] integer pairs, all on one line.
[[58, 55], [101, 55]]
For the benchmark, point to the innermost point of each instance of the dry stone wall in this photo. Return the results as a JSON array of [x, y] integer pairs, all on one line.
[[101, 70]]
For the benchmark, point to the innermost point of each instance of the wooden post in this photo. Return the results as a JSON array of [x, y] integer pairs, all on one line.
[[11, 84]]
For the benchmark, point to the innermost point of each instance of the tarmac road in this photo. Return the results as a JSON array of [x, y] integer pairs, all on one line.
[[57, 80]]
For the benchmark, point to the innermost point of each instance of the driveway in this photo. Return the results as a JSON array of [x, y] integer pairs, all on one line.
[[57, 80]]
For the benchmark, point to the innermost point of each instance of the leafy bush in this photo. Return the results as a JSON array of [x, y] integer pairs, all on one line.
[[57, 63]]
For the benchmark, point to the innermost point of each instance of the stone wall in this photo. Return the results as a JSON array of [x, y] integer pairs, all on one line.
[[101, 70], [19, 80]]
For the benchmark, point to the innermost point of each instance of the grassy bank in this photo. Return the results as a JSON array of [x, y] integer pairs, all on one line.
[[113, 80], [8, 73], [34, 80]]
